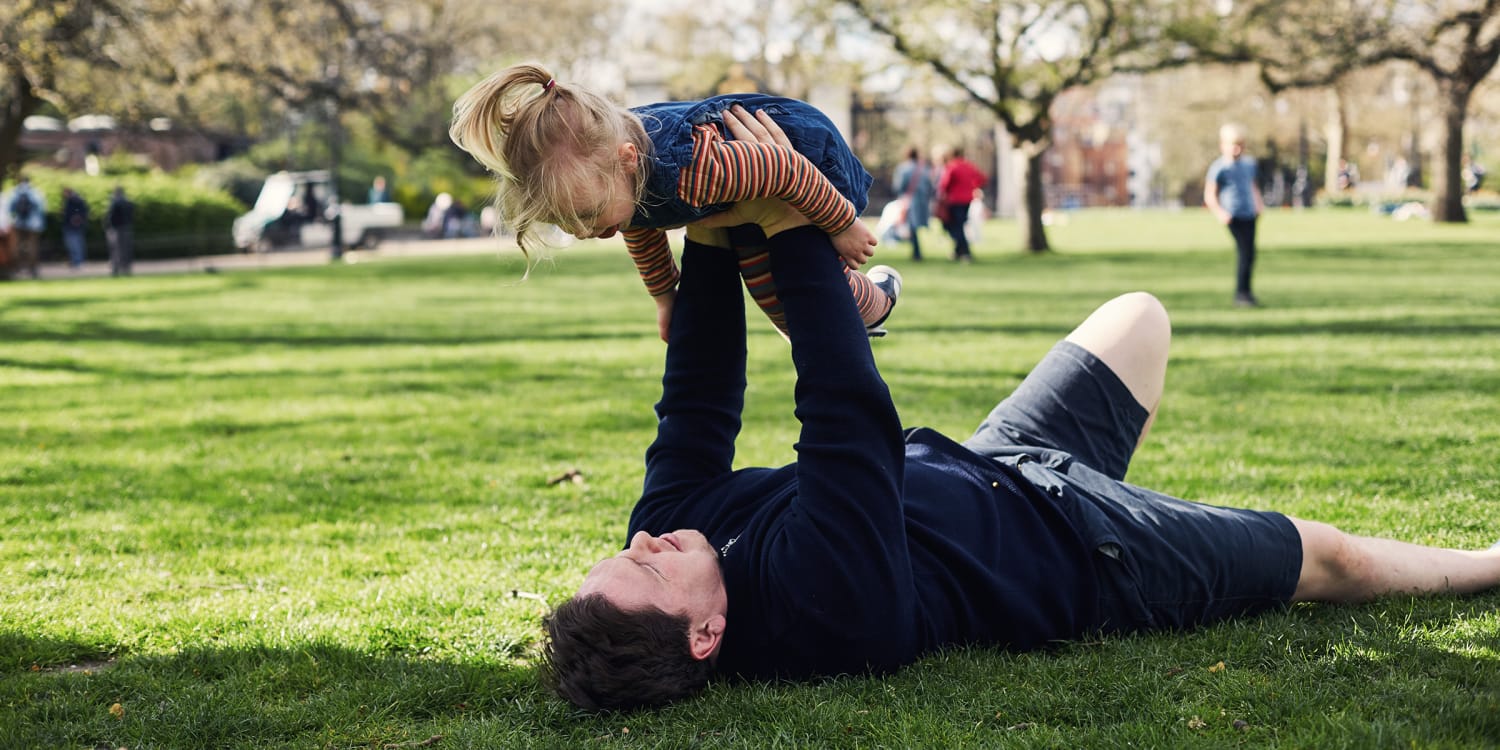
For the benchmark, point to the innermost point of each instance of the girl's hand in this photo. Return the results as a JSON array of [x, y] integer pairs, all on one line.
[[664, 314], [856, 244]]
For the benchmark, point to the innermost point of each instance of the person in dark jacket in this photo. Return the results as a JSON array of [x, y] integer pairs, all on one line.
[[119, 233], [75, 217], [882, 543]]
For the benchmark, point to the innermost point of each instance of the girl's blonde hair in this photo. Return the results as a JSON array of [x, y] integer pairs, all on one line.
[[544, 140]]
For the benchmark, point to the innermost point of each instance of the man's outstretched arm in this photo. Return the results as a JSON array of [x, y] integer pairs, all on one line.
[[850, 459], [703, 387]]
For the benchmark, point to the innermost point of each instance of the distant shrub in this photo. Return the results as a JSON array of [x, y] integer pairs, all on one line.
[[173, 216]]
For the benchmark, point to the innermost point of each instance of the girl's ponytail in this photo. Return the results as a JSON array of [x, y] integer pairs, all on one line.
[[486, 115]]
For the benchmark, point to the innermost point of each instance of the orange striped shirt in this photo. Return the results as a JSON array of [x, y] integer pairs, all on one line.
[[733, 171]]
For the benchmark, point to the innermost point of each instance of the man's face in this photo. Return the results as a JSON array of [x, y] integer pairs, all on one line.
[[677, 573]]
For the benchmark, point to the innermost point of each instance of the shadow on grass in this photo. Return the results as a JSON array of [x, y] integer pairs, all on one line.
[[1412, 327], [1396, 669], [157, 293], [257, 696], [190, 336]]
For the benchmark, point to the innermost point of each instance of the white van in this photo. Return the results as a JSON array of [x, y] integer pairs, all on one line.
[[292, 211]]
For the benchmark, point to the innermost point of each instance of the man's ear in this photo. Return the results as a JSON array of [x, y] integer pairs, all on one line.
[[705, 639], [628, 157]]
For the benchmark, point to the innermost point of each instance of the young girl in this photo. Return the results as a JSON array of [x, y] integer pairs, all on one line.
[[567, 156]]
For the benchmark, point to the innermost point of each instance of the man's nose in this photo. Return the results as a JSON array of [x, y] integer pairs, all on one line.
[[645, 542]]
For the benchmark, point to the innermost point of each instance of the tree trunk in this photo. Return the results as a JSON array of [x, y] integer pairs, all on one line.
[[1450, 191], [1036, 234], [1336, 132], [13, 116]]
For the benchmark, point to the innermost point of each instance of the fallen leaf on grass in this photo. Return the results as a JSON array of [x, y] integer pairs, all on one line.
[[571, 475], [1240, 725], [1217, 667], [116, 710], [1196, 723]]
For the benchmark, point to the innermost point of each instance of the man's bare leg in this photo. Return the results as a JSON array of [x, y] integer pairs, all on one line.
[[1132, 334], [1340, 567]]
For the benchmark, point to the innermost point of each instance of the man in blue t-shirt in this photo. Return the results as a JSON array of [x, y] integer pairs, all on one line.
[[880, 544], [1231, 192]]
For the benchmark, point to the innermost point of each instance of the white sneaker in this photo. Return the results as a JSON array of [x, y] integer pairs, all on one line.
[[888, 280]]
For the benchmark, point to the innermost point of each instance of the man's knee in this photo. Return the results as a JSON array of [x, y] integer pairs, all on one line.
[[1132, 334], [1139, 316], [1149, 316]]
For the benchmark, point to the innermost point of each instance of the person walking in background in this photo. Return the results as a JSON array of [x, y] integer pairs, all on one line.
[[28, 216], [956, 190], [75, 217], [7, 239], [915, 184], [1473, 174], [119, 233], [1231, 193]]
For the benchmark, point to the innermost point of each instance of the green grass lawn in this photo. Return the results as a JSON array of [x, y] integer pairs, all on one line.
[[311, 507]]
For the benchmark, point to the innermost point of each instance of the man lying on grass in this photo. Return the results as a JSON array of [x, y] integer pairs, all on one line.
[[881, 544]]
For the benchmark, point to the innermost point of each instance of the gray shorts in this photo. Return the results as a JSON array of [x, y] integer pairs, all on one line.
[[1072, 426]]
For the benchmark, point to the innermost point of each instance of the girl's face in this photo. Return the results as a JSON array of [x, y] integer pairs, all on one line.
[[605, 207]]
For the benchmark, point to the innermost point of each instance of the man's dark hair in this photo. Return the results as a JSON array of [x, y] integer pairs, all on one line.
[[601, 657]]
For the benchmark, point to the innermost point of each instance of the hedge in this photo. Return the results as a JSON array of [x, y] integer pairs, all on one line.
[[174, 217]]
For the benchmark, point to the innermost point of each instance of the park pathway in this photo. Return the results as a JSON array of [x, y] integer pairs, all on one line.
[[390, 248]]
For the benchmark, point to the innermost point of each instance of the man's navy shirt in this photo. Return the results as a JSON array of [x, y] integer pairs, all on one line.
[[878, 544]]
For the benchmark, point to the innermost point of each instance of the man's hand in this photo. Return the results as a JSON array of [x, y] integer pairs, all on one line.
[[856, 244], [756, 128]]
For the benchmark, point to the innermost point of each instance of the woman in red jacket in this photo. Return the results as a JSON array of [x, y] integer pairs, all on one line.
[[956, 190]]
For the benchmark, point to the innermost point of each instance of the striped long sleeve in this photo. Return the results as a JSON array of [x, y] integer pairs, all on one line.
[[733, 171], [653, 259]]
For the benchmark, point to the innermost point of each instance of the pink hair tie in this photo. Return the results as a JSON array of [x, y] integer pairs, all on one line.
[[549, 84]]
